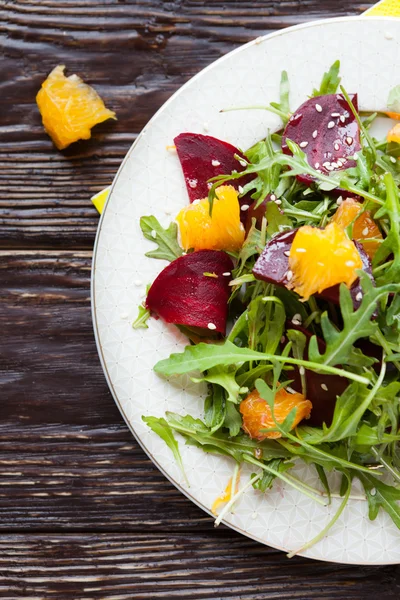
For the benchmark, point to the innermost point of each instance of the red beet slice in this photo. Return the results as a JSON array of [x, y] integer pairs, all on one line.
[[326, 130], [322, 389], [203, 157], [273, 264], [183, 295]]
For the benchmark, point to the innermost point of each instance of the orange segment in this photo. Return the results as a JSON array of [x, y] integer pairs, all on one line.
[[69, 108], [363, 225], [394, 134], [222, 231], [393, 115], [225, 496], [321, 258], [257, 415]]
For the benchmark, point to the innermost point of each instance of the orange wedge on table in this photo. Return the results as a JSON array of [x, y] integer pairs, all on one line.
[[69, 108]]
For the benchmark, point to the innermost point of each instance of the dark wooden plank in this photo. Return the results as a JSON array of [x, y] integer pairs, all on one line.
[[136, 54], [175, 566]]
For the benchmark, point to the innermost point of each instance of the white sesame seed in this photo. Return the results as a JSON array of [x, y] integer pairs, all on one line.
[[336, 146], [209, 185], [339, 201], [211, 326], [297, 320], [243, 163], [388, 35], [324, 387], [301, 250], [359, 297], [138, 282], [350, 263], [326, 164], [278, 201], [335, 115], [205, 126], [318, 170], [318, 108], [365, 231], [331, 124], [192, 183], [349, 140], [393, 160], [329, 167], [302, 370], [342, 118], [273, 197], [153, 234], [290, 390], [372, 491], [341, 161], [215, 163], [196, 202], [335, 165], [244, 207], [355, 156], [240, 189], [226, 274], [303, 144], [316, 165], [315, 133], [289, 275], [287, 253]]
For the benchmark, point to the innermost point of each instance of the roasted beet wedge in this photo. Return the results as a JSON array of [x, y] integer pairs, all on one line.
[[273, 265], [326, 130], [322, 389], [203, 157], [184, 295]]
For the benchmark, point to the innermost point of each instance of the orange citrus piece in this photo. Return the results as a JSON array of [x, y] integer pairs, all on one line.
[[321, 258], [225, 496], [394, 134], [393, 115], [363, 225], [69, 108], [222, 231], [257, 415]]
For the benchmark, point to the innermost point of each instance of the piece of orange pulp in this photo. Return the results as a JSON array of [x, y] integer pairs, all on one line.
[[69, 108], [257, 415], [364, 227], [225, 496], [222, 231], [394, 134], [321, 258]]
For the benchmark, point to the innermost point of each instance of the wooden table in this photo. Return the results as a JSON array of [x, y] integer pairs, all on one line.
[[84, 513]]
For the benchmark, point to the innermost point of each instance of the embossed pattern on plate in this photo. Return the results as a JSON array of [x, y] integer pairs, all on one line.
[[150, 182]]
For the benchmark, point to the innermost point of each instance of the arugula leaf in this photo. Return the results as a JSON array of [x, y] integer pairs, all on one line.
[[283, 107], [142, 318], [164, 431], [393, 102], [330, 81], [381, 495], [166, 239], [205, 356], [391, 244], [277, 219], [214, 408], [233, 420], [356, 324], [225, 378], [277, 464]]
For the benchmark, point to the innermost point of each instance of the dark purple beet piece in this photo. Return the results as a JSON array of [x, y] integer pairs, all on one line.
[[322, 389], [326, 130], [203, 157], [256, 213], [273, 264], [183, 295]]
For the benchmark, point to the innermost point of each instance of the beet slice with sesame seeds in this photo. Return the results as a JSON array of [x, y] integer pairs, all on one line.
[[326, 130], [203, 157], [321, 389], [184, 295], [272, 266]]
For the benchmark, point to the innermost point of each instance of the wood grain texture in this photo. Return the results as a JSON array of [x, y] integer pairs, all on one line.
[[136, 54]]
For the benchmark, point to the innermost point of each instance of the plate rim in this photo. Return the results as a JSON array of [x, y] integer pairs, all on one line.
[[180, 488]]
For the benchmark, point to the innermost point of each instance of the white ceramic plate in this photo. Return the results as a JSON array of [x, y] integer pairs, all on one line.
[[150, 181]]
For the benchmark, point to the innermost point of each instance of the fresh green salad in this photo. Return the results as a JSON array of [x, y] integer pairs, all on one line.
[[284, 274]]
